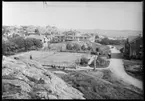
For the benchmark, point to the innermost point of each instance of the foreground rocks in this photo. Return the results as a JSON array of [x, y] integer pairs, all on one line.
[[102, 84], [26, 79]]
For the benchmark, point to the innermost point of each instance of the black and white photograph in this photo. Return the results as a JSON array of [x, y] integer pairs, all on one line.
[[72, 50]]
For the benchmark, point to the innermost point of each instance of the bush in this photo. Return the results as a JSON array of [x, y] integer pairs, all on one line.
[[69, 46], [84, 61], [89, 48], [101, 62], [83, 47], [76, 47]]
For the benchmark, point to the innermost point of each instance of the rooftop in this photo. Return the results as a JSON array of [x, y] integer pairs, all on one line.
[[35, 36]]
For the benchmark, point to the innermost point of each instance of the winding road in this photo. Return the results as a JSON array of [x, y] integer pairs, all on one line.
[[117, 67]]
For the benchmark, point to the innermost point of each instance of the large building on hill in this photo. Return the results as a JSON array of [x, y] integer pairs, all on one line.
[[70, 36], [58, 38], [133, 47]]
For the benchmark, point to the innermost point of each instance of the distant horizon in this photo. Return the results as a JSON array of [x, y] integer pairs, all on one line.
[[104, 32], [76, 28]]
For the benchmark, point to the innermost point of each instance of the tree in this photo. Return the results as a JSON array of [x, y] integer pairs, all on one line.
[[20, 41], [28, 43], [37, 32], [104, 41], [96, 36], [37, 43], [8, 47]]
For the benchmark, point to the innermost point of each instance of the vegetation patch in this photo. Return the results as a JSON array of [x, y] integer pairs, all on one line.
[[134, 68], [99, 88]]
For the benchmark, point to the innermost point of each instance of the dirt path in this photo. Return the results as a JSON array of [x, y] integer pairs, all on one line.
[[116, 66]]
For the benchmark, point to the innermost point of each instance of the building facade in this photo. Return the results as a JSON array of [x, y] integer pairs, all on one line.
[[133, 47]]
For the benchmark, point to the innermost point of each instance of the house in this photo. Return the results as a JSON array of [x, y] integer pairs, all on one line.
[[58, 38], [133, 47], [83, 38], [70, 36]]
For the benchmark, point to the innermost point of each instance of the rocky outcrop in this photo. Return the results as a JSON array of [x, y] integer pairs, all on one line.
[[27, 79]]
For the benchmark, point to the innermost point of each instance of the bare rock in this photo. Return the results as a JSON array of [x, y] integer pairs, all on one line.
[[52, 97], [27, 79]]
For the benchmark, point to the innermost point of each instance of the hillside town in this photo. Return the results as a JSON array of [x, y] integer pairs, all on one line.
[[48, 62]]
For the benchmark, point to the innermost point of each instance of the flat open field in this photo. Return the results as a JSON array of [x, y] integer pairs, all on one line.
[[53, 58]]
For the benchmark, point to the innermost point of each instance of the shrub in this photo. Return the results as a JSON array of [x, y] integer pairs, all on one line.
[[83, 47], [84, 61], [100, 62], [76, 47], [89, 48], [69, 46]]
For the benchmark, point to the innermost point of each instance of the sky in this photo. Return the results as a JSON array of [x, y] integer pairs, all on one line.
[[75, 15]]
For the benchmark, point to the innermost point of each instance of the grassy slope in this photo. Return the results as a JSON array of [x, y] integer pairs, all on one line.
[[133, 68], [101, 85]]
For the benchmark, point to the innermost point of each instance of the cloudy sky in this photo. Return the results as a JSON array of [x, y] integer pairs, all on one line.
[[75, 15]]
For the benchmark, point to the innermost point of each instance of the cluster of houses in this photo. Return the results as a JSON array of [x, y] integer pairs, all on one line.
[[133, 47], [68, 36], [56, 38]]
